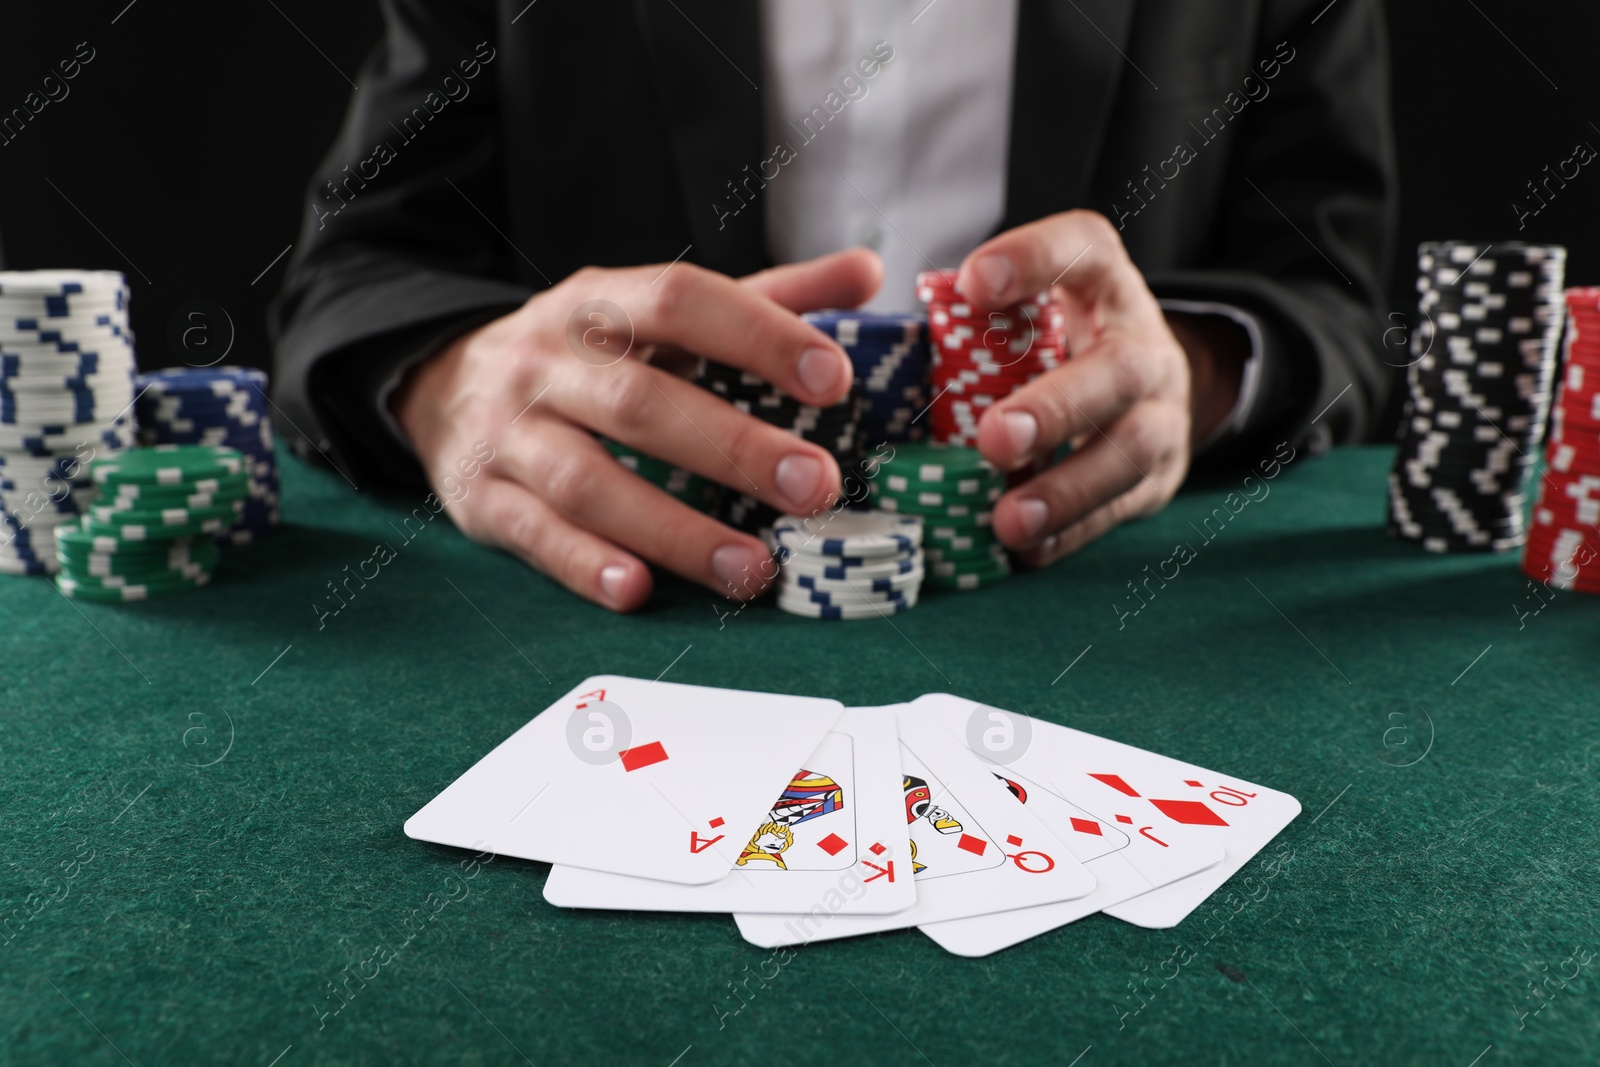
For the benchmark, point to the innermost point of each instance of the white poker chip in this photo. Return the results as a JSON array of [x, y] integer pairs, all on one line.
[[864, 570], [846, 611], [849, 534], [898, 582], [800, 597], [41, 283]]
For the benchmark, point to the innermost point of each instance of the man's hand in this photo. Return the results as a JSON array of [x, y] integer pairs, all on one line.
[[1124, 398], [555, 497]]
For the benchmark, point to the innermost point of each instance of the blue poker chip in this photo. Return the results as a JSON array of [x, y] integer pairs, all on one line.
[[846, 326], [190, 378]]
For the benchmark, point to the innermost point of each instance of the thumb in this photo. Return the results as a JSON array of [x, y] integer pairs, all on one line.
[[839, 280]]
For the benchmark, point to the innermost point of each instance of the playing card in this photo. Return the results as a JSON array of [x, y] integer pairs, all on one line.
[[1123, 867], [837, 832], [973, 848], [633, 777], [1160, 799]]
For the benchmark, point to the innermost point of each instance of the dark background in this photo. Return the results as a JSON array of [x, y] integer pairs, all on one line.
[[182, 151]]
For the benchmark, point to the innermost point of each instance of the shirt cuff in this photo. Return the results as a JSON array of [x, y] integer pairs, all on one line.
[[1250, 379]]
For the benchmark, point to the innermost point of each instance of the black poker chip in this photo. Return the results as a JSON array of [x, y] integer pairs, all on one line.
[[1479, 385]]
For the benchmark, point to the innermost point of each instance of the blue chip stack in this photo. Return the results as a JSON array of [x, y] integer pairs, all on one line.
[[891, 358], [66, 386], [217, 406]]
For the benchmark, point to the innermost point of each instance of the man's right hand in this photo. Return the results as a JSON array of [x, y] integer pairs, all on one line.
[[554, 496]]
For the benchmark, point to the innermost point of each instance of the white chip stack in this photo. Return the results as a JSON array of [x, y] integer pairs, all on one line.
[[66, 391], [849, 564]]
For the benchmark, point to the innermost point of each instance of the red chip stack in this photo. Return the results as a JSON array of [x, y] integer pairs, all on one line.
[[980, 358], [1564, 538]]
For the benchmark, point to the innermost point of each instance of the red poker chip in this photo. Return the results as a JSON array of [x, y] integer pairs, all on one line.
[[942, 319], [1564, 459], [996, 376]]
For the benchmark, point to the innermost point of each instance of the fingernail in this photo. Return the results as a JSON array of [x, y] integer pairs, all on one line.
[[1034, 514], [996, 273], [1023, 429], [798, 478], [821, 370], [734, 566], [612, 579]]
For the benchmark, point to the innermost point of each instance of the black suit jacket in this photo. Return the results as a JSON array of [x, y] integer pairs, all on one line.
[[608, 132]]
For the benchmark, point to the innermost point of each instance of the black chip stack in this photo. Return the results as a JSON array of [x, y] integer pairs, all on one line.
[[1479, 385], [837, 429]]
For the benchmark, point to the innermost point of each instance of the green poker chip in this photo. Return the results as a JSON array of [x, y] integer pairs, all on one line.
[[178, 556], [682, 485], [963, 582], [78, 589], [938, 498], [188, 494], [115, 516], [167, 465], [136, 532], [922, 462], [978, 511], [986, 549], [980, 568]]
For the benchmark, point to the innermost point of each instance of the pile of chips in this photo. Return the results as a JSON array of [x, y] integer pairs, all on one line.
[[697, 492], [890, 356], [849, 564], [1479, 388], [953, 491], [980, 358], [153, 530], [223, 406], [66, 385], [1564, 540], [837, 429]]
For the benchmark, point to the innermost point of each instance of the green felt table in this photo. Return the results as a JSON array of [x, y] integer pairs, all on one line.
[[203, 800]]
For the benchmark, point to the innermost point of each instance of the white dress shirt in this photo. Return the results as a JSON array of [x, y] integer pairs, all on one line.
[[914, 162]]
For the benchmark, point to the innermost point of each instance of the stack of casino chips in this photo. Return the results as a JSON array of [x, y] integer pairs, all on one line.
[[66, 383], [979, 358], [837, 429], [224, 406], [1479, 385], [890, 355], [848, 564], [699, 493], [953, 491], [153, 529], [1564, 539]]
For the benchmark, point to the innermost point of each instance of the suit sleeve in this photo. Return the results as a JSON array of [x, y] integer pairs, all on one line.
[[1305, 235], [397, 252]]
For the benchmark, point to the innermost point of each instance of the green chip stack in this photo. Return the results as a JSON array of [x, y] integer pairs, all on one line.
[[152, 528], [699, 493], [954, 490]]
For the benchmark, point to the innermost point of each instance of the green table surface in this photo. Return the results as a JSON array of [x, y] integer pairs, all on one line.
[[203, 800]]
